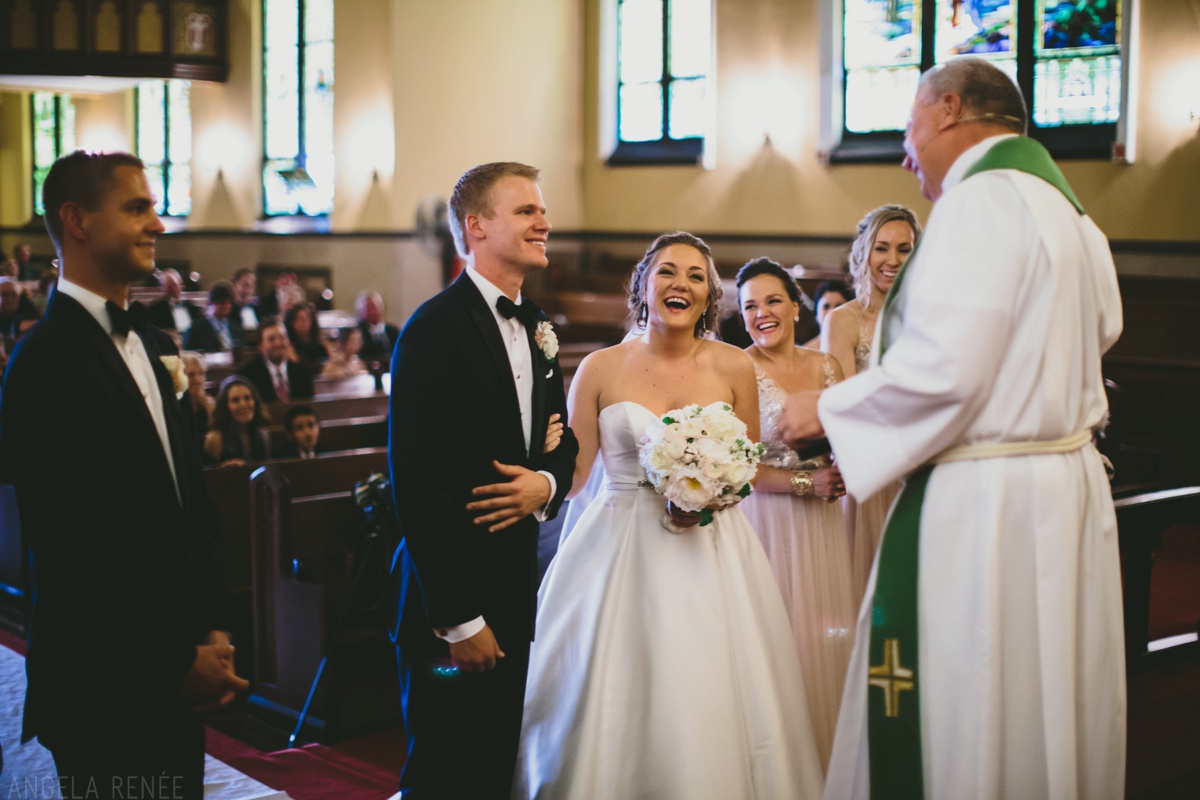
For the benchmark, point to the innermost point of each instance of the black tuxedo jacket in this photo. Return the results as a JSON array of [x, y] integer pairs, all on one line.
[[373, 347], [202, 335], [126, 572], [159, 313], [454, 409], [290, 450], [300, 380]]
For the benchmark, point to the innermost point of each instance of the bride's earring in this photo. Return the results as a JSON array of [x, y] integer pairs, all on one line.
[[796, 318], [643, 314]]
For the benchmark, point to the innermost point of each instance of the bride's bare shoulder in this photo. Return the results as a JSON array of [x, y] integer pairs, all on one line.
[[727, 358]]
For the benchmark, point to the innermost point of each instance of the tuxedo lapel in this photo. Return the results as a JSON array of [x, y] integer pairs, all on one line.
[[485, 323], [171, 410], [84, 329], [537, 409]]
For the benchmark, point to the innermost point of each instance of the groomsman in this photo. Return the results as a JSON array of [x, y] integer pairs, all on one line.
[[128, 636], [474, 387], [989, 661]]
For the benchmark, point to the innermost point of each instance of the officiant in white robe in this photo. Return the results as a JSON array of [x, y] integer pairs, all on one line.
[[990, 369]]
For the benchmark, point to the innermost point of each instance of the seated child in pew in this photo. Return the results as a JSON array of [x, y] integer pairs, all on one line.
[[303, 429]]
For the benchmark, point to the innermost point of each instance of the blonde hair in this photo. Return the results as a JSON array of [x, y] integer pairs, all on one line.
[[473, 195], [864, 239]]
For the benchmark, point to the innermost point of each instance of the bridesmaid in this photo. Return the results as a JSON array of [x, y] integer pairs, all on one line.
[[793, 506], [885, 239]]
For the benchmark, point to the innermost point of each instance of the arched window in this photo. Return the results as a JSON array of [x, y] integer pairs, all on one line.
[[297, 107], [164, 142], [53, 137], [1066, 55], [664, 56]]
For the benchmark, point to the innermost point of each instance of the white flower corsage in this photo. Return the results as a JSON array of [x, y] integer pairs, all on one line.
[[545, 338], [174, 365]]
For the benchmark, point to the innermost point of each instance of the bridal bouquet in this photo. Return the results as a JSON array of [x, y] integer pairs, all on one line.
[[701, 459]]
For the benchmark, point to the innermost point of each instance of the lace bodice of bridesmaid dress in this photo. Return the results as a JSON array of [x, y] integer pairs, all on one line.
[[771, 397], [866, 335]]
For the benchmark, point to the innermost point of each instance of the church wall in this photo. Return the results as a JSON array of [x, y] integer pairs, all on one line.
[[770, 61]]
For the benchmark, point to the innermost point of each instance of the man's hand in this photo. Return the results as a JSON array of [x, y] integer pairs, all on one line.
[[510, 502], [554, 432], [477, 654], [798, 421], [211, 682]]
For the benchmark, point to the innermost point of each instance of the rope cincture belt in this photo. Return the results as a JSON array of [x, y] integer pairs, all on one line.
[[982, 450]]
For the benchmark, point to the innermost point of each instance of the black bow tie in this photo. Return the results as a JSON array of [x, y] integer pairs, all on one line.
[[527, 313], [125, 320]]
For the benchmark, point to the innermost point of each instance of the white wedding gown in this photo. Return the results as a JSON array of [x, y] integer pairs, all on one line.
[[664, 665]]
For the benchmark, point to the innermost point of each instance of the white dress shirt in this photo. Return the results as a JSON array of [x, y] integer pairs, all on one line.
[[183, 319], [516, 343], [136, 359], [279, 375]]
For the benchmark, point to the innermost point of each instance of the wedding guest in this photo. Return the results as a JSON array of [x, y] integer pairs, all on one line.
[[215, 331], [277, 378], [476, 385], [793, 506], [664, 664], [996, 596], [379, 336], [343, 358], [827, 296], [239, 428], [46, 285], [305, 337], [172, 312], [129, 639], [303, 429], [883, 241], [290, 296], [197, 403], [21, 325], [12, 302], [245, 301], [23, 256], [269, 304]]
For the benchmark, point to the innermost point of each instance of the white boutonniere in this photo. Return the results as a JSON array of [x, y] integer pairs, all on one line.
[[174, 365], [545, 338]]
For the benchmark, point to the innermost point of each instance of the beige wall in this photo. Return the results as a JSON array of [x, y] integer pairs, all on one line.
[[426, 88], [769, 65]]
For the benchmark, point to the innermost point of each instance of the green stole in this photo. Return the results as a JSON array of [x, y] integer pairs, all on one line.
[[893, 674]]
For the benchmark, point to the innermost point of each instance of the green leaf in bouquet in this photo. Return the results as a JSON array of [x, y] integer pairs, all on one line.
[[668, 421], [706, 517], [745, 491]]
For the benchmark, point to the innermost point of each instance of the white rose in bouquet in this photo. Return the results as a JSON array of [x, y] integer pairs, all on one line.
[[701, 459]]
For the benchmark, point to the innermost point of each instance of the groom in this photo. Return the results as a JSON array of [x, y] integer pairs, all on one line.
[[474, 384]]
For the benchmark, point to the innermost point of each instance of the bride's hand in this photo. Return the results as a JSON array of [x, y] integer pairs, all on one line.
[[554, 432], [681, 518], [828, 484]]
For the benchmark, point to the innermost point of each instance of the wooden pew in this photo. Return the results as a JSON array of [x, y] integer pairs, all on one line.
[[307, 550], [229, 489], [1141, 521], [331, 407], [341, 434]]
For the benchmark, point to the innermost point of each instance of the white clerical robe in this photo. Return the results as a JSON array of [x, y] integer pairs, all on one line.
[[999, 328]]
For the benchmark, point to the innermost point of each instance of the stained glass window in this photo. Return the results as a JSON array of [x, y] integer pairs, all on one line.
[[1064, 54], [298, 107], [53, 137], [164, 142], [664, 49]]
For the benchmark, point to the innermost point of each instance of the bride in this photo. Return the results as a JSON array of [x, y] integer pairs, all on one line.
[[663, 665]]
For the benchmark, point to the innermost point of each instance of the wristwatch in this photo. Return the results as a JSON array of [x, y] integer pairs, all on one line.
[[802, 483]]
